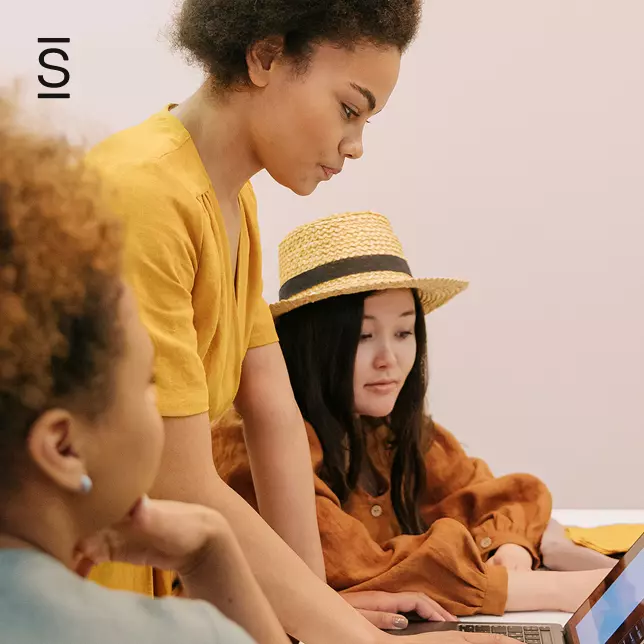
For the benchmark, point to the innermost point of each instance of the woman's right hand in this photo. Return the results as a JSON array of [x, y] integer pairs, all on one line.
[[383, 609], [164, 534]]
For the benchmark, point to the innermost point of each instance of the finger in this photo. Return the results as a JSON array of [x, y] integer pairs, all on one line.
[[422, 605], [448, 617], [84, 567], [436, 612], [429, 610], [142, 512], [386, 621]]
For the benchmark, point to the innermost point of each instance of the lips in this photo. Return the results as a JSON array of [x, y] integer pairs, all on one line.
[[330, 172], [382, 386]]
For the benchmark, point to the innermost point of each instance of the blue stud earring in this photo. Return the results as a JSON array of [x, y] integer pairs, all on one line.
[[86, 484]]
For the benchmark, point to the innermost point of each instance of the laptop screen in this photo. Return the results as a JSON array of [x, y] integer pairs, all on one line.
[[614, 613]]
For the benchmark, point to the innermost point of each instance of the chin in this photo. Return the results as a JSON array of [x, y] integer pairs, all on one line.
[[302, 188], [376, 409]]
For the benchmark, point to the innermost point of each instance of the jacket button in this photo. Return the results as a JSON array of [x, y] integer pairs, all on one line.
[[486, 542], [376, 511]]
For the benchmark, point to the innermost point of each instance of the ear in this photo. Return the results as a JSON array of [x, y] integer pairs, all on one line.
[[51, 444], [261, 58]]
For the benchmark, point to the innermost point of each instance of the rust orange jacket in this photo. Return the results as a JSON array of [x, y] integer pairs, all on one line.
[[470, 513]]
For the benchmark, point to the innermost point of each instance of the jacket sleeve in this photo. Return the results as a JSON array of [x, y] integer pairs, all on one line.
[[509, 509], [443, 563]]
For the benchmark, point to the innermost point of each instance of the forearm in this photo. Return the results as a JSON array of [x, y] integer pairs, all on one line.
[[283, 480], [570, 556], [279, 453], [225, 580], [306, 607], [531, 590], [560, 553], [547, 590]]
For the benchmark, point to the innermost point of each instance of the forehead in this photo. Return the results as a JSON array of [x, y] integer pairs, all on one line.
[[392, 302], [374, 67]]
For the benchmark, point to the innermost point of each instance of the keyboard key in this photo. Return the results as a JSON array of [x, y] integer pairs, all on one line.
[[481, 628], [500, 629]]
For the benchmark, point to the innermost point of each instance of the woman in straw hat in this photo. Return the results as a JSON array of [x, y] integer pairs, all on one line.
[[400, 505]]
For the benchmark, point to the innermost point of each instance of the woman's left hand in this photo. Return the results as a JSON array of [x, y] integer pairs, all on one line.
[[383, 609], [512, 557]]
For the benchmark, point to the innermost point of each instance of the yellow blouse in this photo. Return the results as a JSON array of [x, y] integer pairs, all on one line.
[[201, 317]]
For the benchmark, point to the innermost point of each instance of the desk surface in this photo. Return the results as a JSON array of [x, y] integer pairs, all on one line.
[[581, 518]]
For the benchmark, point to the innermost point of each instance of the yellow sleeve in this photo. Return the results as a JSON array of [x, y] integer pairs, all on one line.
[[163, 239], [263, 332]]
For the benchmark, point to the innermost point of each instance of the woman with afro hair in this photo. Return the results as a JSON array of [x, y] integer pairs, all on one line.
[[289, 86]]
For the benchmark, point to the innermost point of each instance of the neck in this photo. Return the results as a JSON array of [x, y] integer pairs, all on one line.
[[219, 127], [41, 523]]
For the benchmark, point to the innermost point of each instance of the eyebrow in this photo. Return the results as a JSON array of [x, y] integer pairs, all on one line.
[[368, 94], [406, 314]]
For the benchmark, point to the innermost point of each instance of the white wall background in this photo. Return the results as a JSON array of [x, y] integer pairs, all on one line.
[[512, 153]]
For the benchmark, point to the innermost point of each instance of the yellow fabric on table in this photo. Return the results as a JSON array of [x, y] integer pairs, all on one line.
[[607, 539]]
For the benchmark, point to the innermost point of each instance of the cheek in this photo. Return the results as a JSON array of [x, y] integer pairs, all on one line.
[[132, 459], [407, 356], [312, 120], [361, 370]]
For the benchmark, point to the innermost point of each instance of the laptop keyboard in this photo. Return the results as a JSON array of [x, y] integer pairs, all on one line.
[[635, 635], [526, 634]]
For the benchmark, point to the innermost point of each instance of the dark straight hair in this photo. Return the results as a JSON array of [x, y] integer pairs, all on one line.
[[320, 342]]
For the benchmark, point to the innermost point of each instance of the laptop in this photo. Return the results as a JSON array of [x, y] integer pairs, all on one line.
[[613, 614]]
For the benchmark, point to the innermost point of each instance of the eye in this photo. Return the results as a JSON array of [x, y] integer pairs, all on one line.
[[349, 112], [405, 334], [365, 336]]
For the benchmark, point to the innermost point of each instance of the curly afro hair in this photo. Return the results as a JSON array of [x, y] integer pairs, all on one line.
[[60, 260], [217, 34]]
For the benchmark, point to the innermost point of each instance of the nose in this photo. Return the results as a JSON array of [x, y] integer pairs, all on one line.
[[385, 357], [351, 147]]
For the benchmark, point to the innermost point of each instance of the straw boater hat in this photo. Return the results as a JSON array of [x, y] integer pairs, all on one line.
[[350, 253]]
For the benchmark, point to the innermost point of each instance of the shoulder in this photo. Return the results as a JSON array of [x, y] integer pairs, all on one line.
[[440, 443], [150, 169], [63, 608]]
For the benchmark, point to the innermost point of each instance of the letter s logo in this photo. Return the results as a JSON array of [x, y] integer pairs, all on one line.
[[46, 65]]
